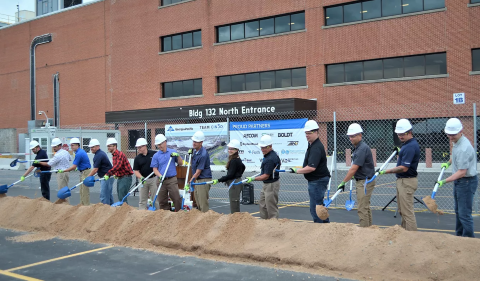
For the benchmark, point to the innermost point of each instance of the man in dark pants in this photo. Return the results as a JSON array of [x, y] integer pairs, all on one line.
[[101, 166], [44, 177]]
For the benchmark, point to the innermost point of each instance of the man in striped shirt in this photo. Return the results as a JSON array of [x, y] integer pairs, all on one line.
[[121, 169]]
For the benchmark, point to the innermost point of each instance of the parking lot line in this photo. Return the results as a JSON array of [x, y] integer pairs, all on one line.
[[18, 276]]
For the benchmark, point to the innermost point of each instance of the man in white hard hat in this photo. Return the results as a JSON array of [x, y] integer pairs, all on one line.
[[101, 166], [201, 171], [82, 164], [271, 185], [59, 161], [142, 169], [41, 155], [121, 169], [464, 177], [361, 169], [170, 182], [406, 172]]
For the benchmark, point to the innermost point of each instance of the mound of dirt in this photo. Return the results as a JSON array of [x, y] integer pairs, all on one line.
[[431, 205], [3, 195], [61, 201], [329, 249], [322, 212]]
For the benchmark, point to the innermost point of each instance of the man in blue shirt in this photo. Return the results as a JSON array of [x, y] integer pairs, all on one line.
[[45, 177], [101, 165], [82, 164], [406, 172], [170, 183], [201, 171]]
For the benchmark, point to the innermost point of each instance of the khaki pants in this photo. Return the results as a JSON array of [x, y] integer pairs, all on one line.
[[406, 188], [149, 187], [364, 212], [169, 187], [84, 190], [269, 200], [201, 195], [62, 180], [234, 195]]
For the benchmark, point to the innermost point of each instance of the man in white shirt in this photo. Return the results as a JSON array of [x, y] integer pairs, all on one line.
[[60, 161]]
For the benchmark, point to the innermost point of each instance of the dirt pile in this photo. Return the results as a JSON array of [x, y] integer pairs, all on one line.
[[331, 249], [432, 205], [322, 212]]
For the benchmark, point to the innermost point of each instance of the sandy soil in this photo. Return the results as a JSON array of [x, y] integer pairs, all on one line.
[[322, 212], [431, 205]]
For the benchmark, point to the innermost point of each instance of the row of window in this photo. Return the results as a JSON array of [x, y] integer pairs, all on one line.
[[182, 88], [182, 41], [476, 59], [169, 2]]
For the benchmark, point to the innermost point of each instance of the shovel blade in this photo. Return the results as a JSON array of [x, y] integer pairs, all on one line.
[[117, 204], [64, 193], [325, 202], [14, 163], [328, 202], [3, 189], [349, 205], [152, 208]]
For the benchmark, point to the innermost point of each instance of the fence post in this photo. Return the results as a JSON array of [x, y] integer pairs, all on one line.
[[335, 149]]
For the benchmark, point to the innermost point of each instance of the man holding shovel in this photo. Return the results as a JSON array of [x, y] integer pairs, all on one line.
[[82, 164], [142, 169], [101, 166], [201, 171], [362, 168], [44, 177], [121, 169], [464, 177]]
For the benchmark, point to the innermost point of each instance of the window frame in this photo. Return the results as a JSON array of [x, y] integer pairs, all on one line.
[[473, 66], [162, 39], [164, 84]]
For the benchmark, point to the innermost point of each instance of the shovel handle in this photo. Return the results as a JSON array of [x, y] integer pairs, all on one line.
[[333, 197], [435, 188]]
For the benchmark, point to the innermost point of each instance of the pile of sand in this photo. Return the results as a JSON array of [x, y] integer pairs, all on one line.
[[331, 249], [322, 212]]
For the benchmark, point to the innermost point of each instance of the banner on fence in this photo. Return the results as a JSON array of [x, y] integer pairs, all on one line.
[[288, 140]]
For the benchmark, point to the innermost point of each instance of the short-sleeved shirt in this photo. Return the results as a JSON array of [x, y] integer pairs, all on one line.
[[270, 163], [362, 156], [160, 161], [101, 162], [201, 161], [464, 157], [41, 154], [142, 164], [316, 157], [61, 160], [408, 157], [81, 160]]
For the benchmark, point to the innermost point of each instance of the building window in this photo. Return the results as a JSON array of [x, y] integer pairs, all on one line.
[[474, 1], [182, 88], [134, 135], [284, 78], [476, 60], [170, 2], [371, 9], [411, 66], [261, 27], [181, 41]]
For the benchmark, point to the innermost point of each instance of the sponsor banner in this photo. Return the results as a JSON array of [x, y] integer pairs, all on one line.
[[288, 140], [179, 137]]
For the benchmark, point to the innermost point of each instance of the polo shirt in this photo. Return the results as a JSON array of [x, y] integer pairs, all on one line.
[[141, 163], [362, 156], [101, 162], [60, 161], [42, 154], [270, 163], [201, 161], [160, 161], [81, 160], [316, 157], [409, 156], [464, 157]]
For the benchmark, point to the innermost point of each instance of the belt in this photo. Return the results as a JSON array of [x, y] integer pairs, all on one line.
[[359, 179], [167, 178], [83, 170]]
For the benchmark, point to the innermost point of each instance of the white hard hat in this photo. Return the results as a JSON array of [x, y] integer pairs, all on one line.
[[310, 126], [93, 142], [34, 144], [159, 139], [403, 125], [55, 142], [74, 140], [453, 126], [140, 142], [266, 140], [354, 129], [198, 136], [234, 143], [111, 141]]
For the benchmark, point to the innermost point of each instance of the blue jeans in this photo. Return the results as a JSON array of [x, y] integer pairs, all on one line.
[[463, 193], [106, 196], [45, 185], [316, 191]]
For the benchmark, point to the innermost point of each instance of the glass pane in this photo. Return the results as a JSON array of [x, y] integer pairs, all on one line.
[[238, 83], [267, 80], [352, 12], [197, 87], [335, 73], [167, 90], [177, 89], [436, 64], [474, 1], [266, 26], [237, 31], [297, 21], [224, 33], [334, 15], [299, 77], [252, 29], [412, 6], [393, 68], [434, 4], [476, 60], [353, 71], [391, 7], [176, 42], [252, 81], [167, 44], [283, 78], [197, 38], [166, 2], [373, 70], [188, 87], [414, 66], [371, 9], [282, 24], [224, 85], [187, 40]]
